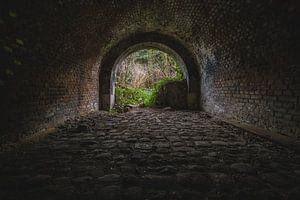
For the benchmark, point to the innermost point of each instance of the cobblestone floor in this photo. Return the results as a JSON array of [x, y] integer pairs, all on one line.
[[150, 154]]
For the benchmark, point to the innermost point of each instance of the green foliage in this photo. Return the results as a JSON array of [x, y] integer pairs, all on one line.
[[8, 49], [179, 74], [19, 41], [9, 72], [12, 14], [141, 75], [139, 96], [143, 68], [17, 62], [142, 57], [131, 96]]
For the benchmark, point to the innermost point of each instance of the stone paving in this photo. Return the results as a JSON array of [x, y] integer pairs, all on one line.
[[150, 154]]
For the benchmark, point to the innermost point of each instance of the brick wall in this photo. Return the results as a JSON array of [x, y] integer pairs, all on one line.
[[247, 53], [254, 76], [44, 80], [268, 99]]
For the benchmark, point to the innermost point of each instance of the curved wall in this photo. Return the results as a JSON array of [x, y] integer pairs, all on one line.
[[245, 53], [146, 40]]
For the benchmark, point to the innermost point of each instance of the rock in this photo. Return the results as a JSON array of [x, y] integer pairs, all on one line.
[[82, 179], [155, 181], [134, 193], [167, 108], [14, 181], [108, 145], [143, 146], [192, 195], [137, 156], [242, 167], [267, 194], [168, 170], [127, 169], [162, 145], [172, 94], [60, 147], [212, 154], [131, 140], [157, 195], [155, 156], [62, 181], [88, 143], [83, 128], [294, 194], [130, 180], [202, 144], [194, 180], [252, 182], [297, 172], [109, 178], [221, 179], [109, 193], [39, 180], [178, 144], [277, 180], [191, 167], [219, 143], [195, 167], [244, 194], [53, 190], [103, 156], [163, 150]]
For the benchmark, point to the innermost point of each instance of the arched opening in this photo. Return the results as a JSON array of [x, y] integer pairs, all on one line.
[[149, 74], [140, 41]]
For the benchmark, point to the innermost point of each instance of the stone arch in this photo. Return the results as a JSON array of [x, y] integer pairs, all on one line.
[[140, 41]]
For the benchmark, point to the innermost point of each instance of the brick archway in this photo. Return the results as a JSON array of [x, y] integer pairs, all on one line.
[[140, 41]]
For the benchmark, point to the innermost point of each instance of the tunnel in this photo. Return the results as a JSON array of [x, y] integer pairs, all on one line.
[[237, 139], [142, 41]]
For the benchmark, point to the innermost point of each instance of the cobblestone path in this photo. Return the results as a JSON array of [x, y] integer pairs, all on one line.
[[150, 154]]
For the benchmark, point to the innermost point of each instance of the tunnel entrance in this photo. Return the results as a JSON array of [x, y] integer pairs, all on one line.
[[149, 78], [141, 41]]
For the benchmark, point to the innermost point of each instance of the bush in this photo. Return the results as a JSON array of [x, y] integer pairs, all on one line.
[[131, 96]]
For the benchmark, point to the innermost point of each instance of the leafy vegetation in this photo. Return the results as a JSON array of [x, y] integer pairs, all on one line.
[[141, 75], [131, 96]]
